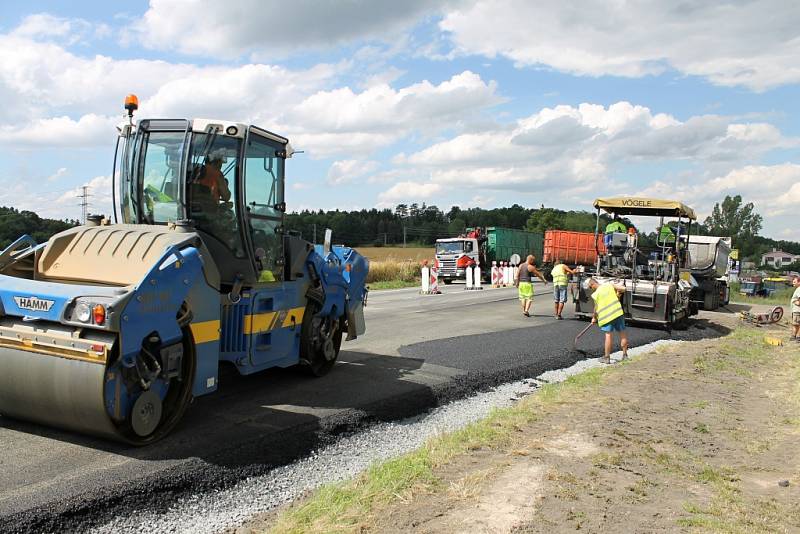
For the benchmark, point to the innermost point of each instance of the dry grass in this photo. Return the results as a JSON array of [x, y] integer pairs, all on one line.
[[390, 271], [397, 254], [394, 267]]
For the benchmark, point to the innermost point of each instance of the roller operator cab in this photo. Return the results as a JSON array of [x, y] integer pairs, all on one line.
[[112, 328]]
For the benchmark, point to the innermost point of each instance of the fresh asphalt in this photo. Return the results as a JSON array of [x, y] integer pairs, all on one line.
[[419, 351]]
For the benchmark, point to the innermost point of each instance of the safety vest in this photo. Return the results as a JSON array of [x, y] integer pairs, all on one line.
[[606, 304], [666, 235], [559, 275]]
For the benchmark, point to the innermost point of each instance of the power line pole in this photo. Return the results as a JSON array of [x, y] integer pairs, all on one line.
[[315, 234], [84, 196], [404, 236]]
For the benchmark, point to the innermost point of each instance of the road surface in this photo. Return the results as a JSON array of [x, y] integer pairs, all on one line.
[[418, 352]]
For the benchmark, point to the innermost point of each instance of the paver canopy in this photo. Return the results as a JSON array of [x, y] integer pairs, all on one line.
[[645, 206]]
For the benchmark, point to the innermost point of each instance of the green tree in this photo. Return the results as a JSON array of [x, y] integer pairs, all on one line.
[[456, 226], [545, 219], [731, 218]]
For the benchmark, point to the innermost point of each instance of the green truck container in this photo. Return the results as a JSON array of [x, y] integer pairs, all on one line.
[[502, 243]]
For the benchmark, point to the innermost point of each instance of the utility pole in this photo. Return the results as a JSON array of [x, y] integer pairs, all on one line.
[[385, 238], [404, 236], [84, 196], [315, 234]]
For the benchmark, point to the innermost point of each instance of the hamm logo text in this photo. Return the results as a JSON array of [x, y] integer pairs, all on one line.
[[34, 304]]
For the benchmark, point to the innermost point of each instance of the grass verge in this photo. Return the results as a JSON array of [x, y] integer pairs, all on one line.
[[393, 284], [344, 506], [780, 297], [358, 504]]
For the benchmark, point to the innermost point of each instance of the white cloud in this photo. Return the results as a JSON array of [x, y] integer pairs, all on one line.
[[99, 190], [89, 130], [773, 189], [58, 204], [566, 156], [67, 30], [51, 90], [382, 109], [37, 77], [345, 121], [57, 175], [582, 143], [347, 171], [409, 191], [751, 44], [227, 29]]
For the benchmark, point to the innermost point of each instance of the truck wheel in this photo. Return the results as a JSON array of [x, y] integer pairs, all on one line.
[[447, 281], [320, 341]]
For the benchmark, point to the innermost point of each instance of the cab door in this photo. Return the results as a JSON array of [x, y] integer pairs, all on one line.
[[273, 325]]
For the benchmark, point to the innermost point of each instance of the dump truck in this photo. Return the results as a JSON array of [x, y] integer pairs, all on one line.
[[482, 246], [708, 260], [657, 279], [113, 327]]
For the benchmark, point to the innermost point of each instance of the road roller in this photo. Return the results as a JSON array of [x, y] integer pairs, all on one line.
[[111, 328]]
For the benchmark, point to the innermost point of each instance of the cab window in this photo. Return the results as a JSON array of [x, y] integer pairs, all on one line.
[[263, 200], [213, 169], [160, 169]]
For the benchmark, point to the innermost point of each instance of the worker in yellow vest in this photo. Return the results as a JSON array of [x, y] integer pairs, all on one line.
[[608, 314], [560, 274]]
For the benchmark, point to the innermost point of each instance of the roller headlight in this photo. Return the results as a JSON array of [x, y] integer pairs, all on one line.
[[83, 311]]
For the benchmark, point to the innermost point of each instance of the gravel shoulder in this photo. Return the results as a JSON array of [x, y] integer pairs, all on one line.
[[698, 435]]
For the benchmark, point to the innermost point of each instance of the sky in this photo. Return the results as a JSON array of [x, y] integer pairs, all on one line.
[[469, 103]]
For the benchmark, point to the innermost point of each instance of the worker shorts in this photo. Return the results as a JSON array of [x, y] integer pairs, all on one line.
[[795, 319], [559, 293], [617, 325], [525, 291]]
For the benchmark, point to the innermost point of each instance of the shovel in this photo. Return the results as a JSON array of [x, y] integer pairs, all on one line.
[[575, 343]]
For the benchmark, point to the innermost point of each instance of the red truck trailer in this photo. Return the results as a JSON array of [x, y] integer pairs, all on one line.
[[571, 248]]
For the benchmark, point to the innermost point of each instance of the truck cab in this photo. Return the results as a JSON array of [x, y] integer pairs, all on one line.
[[455, 255]]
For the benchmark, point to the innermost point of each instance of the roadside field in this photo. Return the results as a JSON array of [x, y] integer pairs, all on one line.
[[397, 254], [779, 298], [395, 267], [391, 271], [698, 435]]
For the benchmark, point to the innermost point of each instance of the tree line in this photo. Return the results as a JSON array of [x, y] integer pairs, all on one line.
[[423, 224], [15, 223]]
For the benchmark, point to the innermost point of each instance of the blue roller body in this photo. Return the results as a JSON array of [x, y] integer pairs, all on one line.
[[261, 329]]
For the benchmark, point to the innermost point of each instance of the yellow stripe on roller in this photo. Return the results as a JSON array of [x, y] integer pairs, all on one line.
[[294, 317], [259, 322], [205, 332]]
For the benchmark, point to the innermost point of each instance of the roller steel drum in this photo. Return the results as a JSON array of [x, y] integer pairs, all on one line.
[[54, 390]]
